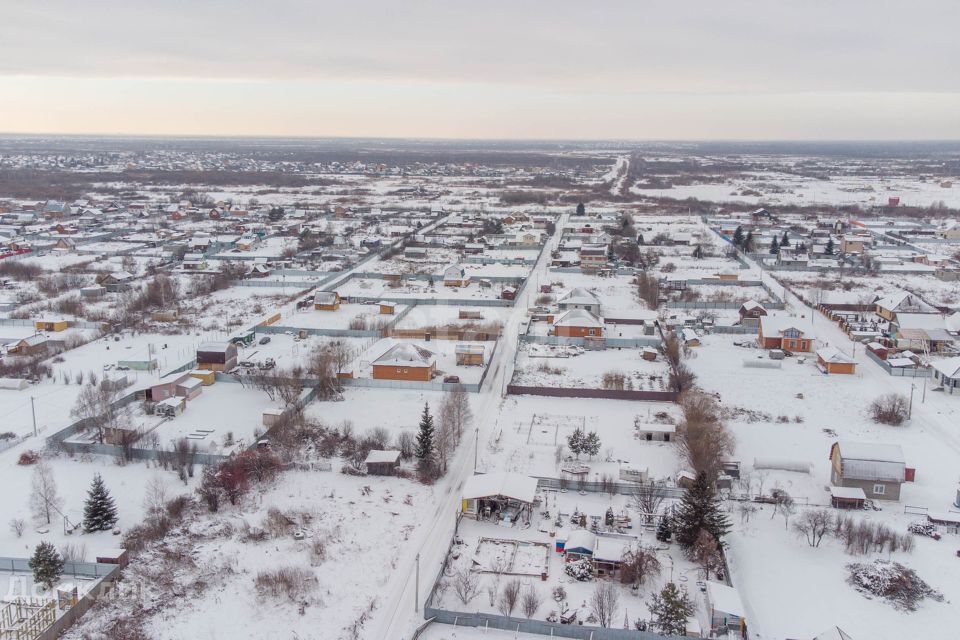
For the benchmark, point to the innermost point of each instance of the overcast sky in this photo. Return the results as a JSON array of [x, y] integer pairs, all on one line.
[[730, 69]]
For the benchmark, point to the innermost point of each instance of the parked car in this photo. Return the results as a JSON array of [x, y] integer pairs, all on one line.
[[264, 339], [452, 379]]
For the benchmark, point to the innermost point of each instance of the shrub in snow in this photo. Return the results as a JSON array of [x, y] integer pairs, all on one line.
[[580, 570], [891, 581], [922, 529], [891, 408]]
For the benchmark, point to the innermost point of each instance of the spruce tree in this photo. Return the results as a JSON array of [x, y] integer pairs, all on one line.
[[738, 237], [785, 241], [670, 609], [47, 564], [575, 442], [99, 512], [425, 446], [591, 444], [663, 530], [699, 509], [581, 210], [829, 249], [774, 246], [748, 242]]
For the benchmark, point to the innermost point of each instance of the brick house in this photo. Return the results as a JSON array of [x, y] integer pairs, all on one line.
[[405, 361], [786, 333], [577, 323]]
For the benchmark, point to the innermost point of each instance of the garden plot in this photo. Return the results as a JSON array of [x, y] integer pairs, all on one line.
[[288, 350], [839, 288], [378, 289], [365, 317], [529, 430], [363, 409], [72, 475], [724, 293], [339, 539], [585, 369], [511, 557], [762, 551], [234, 307], [690, 268], [616, 293], [455, 317], [560, 593]]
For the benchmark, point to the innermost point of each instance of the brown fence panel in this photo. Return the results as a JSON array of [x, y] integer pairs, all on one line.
[[606, 394]]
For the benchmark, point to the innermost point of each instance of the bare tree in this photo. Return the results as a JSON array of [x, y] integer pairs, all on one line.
[[17, 525], [647, 500], [891, 409], [509, 597], [604, 603], [155, 497], [95, 404], [638, 564], [456, 409], [703, 438], [466, 584], [445, 442], [813, 524], [706, 553], [44, 500], [532, 599]]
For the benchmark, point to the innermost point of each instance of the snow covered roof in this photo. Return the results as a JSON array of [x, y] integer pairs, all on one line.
[[776, 325], [325, 297], [577, 318], [750, 305], [578, 295], [725, 599], [581, 539], [848, 493], [834, 633], [871, 461], [834, 356], [406, 354], [510, 485], [949, 367], [377, 456]]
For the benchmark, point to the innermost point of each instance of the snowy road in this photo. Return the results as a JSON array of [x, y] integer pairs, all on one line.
[[402, 600]]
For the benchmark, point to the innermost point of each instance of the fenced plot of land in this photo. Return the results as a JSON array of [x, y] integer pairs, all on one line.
[[512, 557]]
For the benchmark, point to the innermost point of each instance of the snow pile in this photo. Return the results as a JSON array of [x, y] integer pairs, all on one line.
[[892, 581]]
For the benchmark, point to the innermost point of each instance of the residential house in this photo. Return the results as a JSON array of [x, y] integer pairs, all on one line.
[[900, 302], [579, 298], [750, 312], [786, 333], [405, 361], [469, 354], [593, 257], [455, 276], [876, 468], [577, 323], [946, 373], [33, 345]]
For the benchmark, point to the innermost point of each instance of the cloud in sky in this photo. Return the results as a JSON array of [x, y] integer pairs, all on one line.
[[731, 69]]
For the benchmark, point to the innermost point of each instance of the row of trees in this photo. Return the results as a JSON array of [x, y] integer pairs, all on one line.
[[437, 440]]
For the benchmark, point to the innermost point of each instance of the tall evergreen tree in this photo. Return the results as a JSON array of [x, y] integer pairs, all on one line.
[[748, 242], [591, 444], [99, 512], [670, 609], [699, 509], [575, 442], [738, 237], [829, 248], [785, 240], [581, 210], [47, 564], [774, 246], [425, 444]]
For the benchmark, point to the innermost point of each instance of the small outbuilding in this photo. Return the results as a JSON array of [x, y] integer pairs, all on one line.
[[847, 497], [501, 496], [726, 610], [832, 360], [326, 301], [469, 354], [217, 356], [387, 308], [382, 463]]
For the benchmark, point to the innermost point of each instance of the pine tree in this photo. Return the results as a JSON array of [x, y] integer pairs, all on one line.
[[699, 509], [774, 246], [575, 442], [748, 242], [829, 248], [581, 210], [47, 564], [663, 530], [670, 609], [425, 445], [591, 444], [99, 512], [785, 241], [738, 237]]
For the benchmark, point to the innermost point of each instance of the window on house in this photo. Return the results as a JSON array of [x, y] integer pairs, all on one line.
[[879, 489]]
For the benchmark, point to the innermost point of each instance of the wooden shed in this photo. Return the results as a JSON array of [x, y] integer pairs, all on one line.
[[382, 463], [387, 307], [205, 376], [470, 354], [832, 360], [51, 324]]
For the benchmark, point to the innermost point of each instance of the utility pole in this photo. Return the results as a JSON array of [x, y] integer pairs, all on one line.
[[910, 408], [416, 588], [476, 447], [33, 410]]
